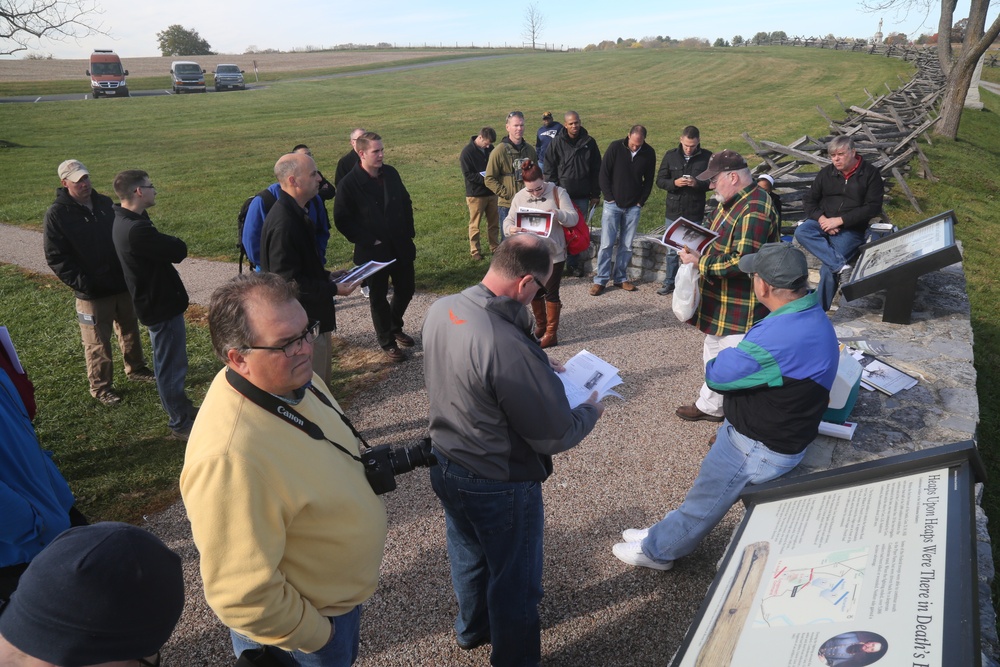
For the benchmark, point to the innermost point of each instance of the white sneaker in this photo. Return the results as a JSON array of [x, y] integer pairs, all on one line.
[[631, 553], [635, 534], [364, 290]]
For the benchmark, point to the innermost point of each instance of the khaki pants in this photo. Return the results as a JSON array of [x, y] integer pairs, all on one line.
[[479, 206], [97, 317], [323, 357], [709, 401]]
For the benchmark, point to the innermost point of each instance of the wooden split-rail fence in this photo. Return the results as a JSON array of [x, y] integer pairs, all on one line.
[[887, 130]]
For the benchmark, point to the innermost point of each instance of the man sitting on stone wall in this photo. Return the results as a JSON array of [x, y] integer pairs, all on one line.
[[844, 197], [775, 385]]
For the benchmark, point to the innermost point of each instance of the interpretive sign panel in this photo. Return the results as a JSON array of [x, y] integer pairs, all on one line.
[[894, 263], [869, 564]]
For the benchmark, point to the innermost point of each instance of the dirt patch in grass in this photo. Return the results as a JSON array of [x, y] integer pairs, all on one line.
[[56, 70]]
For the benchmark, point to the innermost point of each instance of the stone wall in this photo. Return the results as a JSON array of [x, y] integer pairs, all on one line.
[[936, 348]]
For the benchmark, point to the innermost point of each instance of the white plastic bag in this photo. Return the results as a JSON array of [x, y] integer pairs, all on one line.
[[687, 294]]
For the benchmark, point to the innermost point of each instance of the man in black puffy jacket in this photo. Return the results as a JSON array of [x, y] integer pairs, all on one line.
[[574, 163], [79, 250], [844, 197]]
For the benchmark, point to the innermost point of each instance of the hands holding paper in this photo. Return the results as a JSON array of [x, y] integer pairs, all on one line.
[[594, 398], [688, 256], [343, 289]]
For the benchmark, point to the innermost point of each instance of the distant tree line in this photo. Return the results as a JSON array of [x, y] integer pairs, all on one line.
[[762, 37]]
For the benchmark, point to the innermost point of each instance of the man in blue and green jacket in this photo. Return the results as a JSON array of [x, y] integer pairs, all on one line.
[[775, 385]]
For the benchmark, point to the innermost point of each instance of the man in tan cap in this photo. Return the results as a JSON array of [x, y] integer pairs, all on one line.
[[79, 250]]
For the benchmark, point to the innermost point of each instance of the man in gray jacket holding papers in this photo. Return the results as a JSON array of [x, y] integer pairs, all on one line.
[[490, 385]]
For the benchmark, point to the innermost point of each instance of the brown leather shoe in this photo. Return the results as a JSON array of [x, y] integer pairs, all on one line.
[[711, 441], [596, 289], [403, 340], [395, 354], [691, 413], [628, 287]]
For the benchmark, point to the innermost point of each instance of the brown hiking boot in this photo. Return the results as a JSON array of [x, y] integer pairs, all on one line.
[[596, 289]]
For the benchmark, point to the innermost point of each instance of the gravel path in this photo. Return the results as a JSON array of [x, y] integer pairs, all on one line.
[[638, 462]]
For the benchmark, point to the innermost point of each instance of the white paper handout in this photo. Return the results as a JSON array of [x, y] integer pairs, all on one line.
[[586, 373], [8, 345], [363, 271]]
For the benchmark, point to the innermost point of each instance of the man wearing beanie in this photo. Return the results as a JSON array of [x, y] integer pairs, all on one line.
[[105, 595], [775, 385]]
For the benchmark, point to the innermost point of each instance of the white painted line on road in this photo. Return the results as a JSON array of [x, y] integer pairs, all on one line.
[[37, 98]]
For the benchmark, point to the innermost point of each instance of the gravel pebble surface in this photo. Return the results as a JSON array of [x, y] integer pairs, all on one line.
[[637, 463]]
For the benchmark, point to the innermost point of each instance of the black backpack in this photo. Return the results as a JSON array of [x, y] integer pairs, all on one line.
[[268, 200]]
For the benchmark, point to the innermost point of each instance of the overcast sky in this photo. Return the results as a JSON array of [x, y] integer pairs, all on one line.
[[231, 26]]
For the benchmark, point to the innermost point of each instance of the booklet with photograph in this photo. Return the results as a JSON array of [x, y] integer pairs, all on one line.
[[586, 373], [534, 221], [682, 232], [881, 376], [362, 272], [885, 378]]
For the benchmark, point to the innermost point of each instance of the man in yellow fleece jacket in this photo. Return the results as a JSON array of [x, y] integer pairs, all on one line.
[[290, 533]]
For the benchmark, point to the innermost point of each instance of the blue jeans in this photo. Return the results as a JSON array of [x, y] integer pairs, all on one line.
[[673, 262], [341, 651], [617, 225], [170, 362], [833, 250], [494, 533], [502, 211], [734, 462]]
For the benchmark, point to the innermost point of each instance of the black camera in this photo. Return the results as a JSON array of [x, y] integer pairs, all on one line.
[[383, 463]]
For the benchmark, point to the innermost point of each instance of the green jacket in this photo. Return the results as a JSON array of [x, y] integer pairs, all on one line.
[[503, 170]]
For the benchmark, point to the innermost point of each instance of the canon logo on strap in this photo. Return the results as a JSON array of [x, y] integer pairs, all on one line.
[[290, 415]]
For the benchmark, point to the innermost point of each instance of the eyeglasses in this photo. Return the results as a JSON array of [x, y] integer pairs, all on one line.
[[540, 188], [715, 178], [541, 288], [294, 346], [147, 187], [515, 113], [150, 661]]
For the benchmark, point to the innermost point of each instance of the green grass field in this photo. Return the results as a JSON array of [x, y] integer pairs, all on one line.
[[206, 153]]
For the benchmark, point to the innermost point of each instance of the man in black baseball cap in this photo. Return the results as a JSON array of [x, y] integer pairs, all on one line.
[[775, 385], [105, 595]]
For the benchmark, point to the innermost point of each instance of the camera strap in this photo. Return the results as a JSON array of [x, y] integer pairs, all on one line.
[[271, 403]]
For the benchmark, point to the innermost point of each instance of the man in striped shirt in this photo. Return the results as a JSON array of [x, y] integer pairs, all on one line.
[[745, 220]]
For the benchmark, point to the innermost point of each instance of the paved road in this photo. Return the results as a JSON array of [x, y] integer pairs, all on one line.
[[23, 247], [251, 86]]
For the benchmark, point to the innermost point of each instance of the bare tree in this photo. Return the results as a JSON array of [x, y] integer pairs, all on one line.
[[534, 21], [958, 69], [25, 21]]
